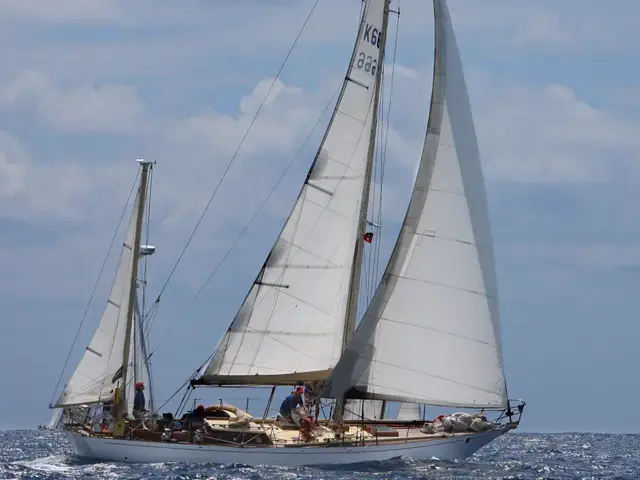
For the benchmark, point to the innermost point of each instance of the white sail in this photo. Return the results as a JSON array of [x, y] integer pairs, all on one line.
[[138, 366], [291, 324], [409, 411], [56, 419], [431, 333], [353, 409], [99, 371]]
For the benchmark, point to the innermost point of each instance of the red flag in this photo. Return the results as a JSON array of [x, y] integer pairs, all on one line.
[[368, 237]]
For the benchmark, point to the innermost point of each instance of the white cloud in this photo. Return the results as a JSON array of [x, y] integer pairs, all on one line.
[[12, 168], [548, 25], [36, 190], [546, 133], [111, 108], [528, 132]]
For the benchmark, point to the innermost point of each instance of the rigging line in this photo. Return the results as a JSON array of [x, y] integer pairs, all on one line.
[[150, 318], [95, 287], [279, 280], [183, 402], [246, 134], [367, 261], [253, 218], [146, 258], [184, 384], [374, 214], [386, 140], [255, 215]]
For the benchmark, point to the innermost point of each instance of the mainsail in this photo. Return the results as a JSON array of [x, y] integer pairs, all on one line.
[[291, 325], [431, 333], [100, 369]]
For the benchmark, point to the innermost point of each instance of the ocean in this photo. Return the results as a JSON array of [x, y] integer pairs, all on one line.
[[34, 454]]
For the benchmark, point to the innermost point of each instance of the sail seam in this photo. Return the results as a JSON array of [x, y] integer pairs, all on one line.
[[431, 234], [303, 267], [302, 300], [325, 208], [425, 327], [301, 249], [425, 374], [290, 334], [439, 284], [450, 192]]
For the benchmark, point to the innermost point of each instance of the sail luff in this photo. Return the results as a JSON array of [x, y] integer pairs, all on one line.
[[438, 296], [291, 324], [356, 266], [121, 408]]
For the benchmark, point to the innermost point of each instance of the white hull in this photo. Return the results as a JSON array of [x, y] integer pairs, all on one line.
[[456, 447]]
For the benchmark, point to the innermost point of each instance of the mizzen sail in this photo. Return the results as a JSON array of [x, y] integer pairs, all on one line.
[[100, 369]]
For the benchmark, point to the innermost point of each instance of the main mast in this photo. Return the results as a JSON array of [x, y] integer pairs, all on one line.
[[356, 270], [144, 179]]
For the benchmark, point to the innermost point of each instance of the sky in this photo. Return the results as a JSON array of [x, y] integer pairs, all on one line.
[[88, 86]]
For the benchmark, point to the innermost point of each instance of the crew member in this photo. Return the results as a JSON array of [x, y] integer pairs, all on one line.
[[292, 401]]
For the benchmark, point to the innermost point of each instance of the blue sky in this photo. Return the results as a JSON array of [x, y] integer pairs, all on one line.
[[87, 86]]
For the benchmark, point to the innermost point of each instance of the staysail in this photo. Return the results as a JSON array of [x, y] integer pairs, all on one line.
[[431, 333], [290, 326], [100, 369]]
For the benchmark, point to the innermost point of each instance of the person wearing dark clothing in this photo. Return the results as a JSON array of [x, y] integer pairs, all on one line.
[[291, 403], [196, 414], [139, 404], [139, 401]]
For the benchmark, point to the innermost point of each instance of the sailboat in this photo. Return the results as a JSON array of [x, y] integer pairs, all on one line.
[[429, 337]]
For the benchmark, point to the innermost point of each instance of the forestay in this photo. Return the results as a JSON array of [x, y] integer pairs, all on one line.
[[431, 334], [99, 370], [290, 326]]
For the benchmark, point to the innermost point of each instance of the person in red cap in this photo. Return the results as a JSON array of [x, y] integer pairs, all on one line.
[[139, 403]]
